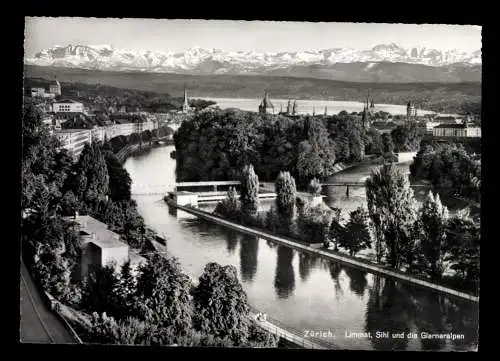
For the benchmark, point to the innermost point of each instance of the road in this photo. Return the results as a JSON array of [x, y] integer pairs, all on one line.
[[38, 322]]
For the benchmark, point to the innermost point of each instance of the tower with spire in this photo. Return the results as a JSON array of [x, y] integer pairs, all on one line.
[[294, 109], [289, 108], [185, 106], [411, 112], [266, 106], [55, 88], [326, 111]]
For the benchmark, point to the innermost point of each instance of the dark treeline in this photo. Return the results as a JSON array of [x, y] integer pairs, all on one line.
[[156, 305], [146, 136], [217, 145]]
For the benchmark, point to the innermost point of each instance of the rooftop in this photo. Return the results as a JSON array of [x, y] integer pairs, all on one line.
[[453, 126], [67, 101], [104, 238]]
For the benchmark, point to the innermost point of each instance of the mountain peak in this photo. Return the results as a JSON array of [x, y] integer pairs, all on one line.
[[198, 60]]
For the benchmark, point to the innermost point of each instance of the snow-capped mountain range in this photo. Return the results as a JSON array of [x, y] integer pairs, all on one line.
[[203, 61]]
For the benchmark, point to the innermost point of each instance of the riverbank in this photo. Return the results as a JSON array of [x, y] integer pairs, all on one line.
[[329, 254]]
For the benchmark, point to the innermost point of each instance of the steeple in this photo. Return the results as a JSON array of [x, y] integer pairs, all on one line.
[[289, 107], [314, 111], [294, 110], [265, 104], [326, 111], [185, 105], [281, 108]]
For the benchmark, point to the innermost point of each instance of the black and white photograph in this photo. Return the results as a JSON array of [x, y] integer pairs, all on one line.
[[251, 184]]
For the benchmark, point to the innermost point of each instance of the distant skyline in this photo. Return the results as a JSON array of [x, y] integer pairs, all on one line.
[[235, 35]]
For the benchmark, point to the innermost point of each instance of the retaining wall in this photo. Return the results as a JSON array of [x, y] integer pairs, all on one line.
[[362, 264]]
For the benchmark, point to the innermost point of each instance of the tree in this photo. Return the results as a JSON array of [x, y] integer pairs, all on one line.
[[249, 191], [406, 138], [220, 304], [391, 208], [434, 217], [286, 194], [163, 295], [230, 206], [387, 145], [127, 289], [100, 290], [93, 168], [119, 179], [314, 224], [336, 228], [464, 238], [356, 236], [315, 187], [316, 156]]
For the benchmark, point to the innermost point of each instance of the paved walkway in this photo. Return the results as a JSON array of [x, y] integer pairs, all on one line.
[[291, 335], [38, 322]]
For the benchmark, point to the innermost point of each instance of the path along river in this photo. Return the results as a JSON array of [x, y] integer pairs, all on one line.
[[301, 290]]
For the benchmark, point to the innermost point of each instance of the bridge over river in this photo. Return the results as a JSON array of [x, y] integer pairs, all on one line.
[[218, 186]]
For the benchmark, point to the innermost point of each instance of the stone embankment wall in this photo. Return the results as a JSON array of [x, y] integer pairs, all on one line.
[[353, 261]]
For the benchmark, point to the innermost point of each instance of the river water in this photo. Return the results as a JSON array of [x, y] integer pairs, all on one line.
[[301, 290]]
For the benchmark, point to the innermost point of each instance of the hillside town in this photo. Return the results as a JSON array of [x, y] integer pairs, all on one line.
[[76, 122]]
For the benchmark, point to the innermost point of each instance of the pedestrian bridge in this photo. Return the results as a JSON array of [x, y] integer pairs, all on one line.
[[217, 188]]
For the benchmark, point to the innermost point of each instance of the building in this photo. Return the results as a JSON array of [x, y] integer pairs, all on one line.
[[447, 119], [101, 247], [37, 92], [55, 88], [456, 131], [68, 106], [73, 140], [411, 111], [185, 106], [266, 106]]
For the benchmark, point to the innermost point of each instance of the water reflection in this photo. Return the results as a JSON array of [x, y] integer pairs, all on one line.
[[231, 241], [284, 280], [249, 251], [387, 311], [335, 268], [337, 303], [357, 279], [307, 262]]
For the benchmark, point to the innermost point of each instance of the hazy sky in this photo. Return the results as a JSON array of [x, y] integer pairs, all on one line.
[[260, 36]]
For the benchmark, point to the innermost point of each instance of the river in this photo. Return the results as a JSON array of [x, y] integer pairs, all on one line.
[[301, 290]]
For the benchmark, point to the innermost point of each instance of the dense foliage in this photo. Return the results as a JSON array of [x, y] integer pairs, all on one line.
[[151, 305], [450, 169], [392, 209], [356, 236], [217, 145], [406, 138]]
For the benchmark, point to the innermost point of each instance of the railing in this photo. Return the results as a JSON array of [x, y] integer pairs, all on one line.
[[291, 334]]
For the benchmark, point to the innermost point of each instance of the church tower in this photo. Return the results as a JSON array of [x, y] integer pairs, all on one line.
[[55, 88], [185, 106], [411, 112], [266, 106]]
